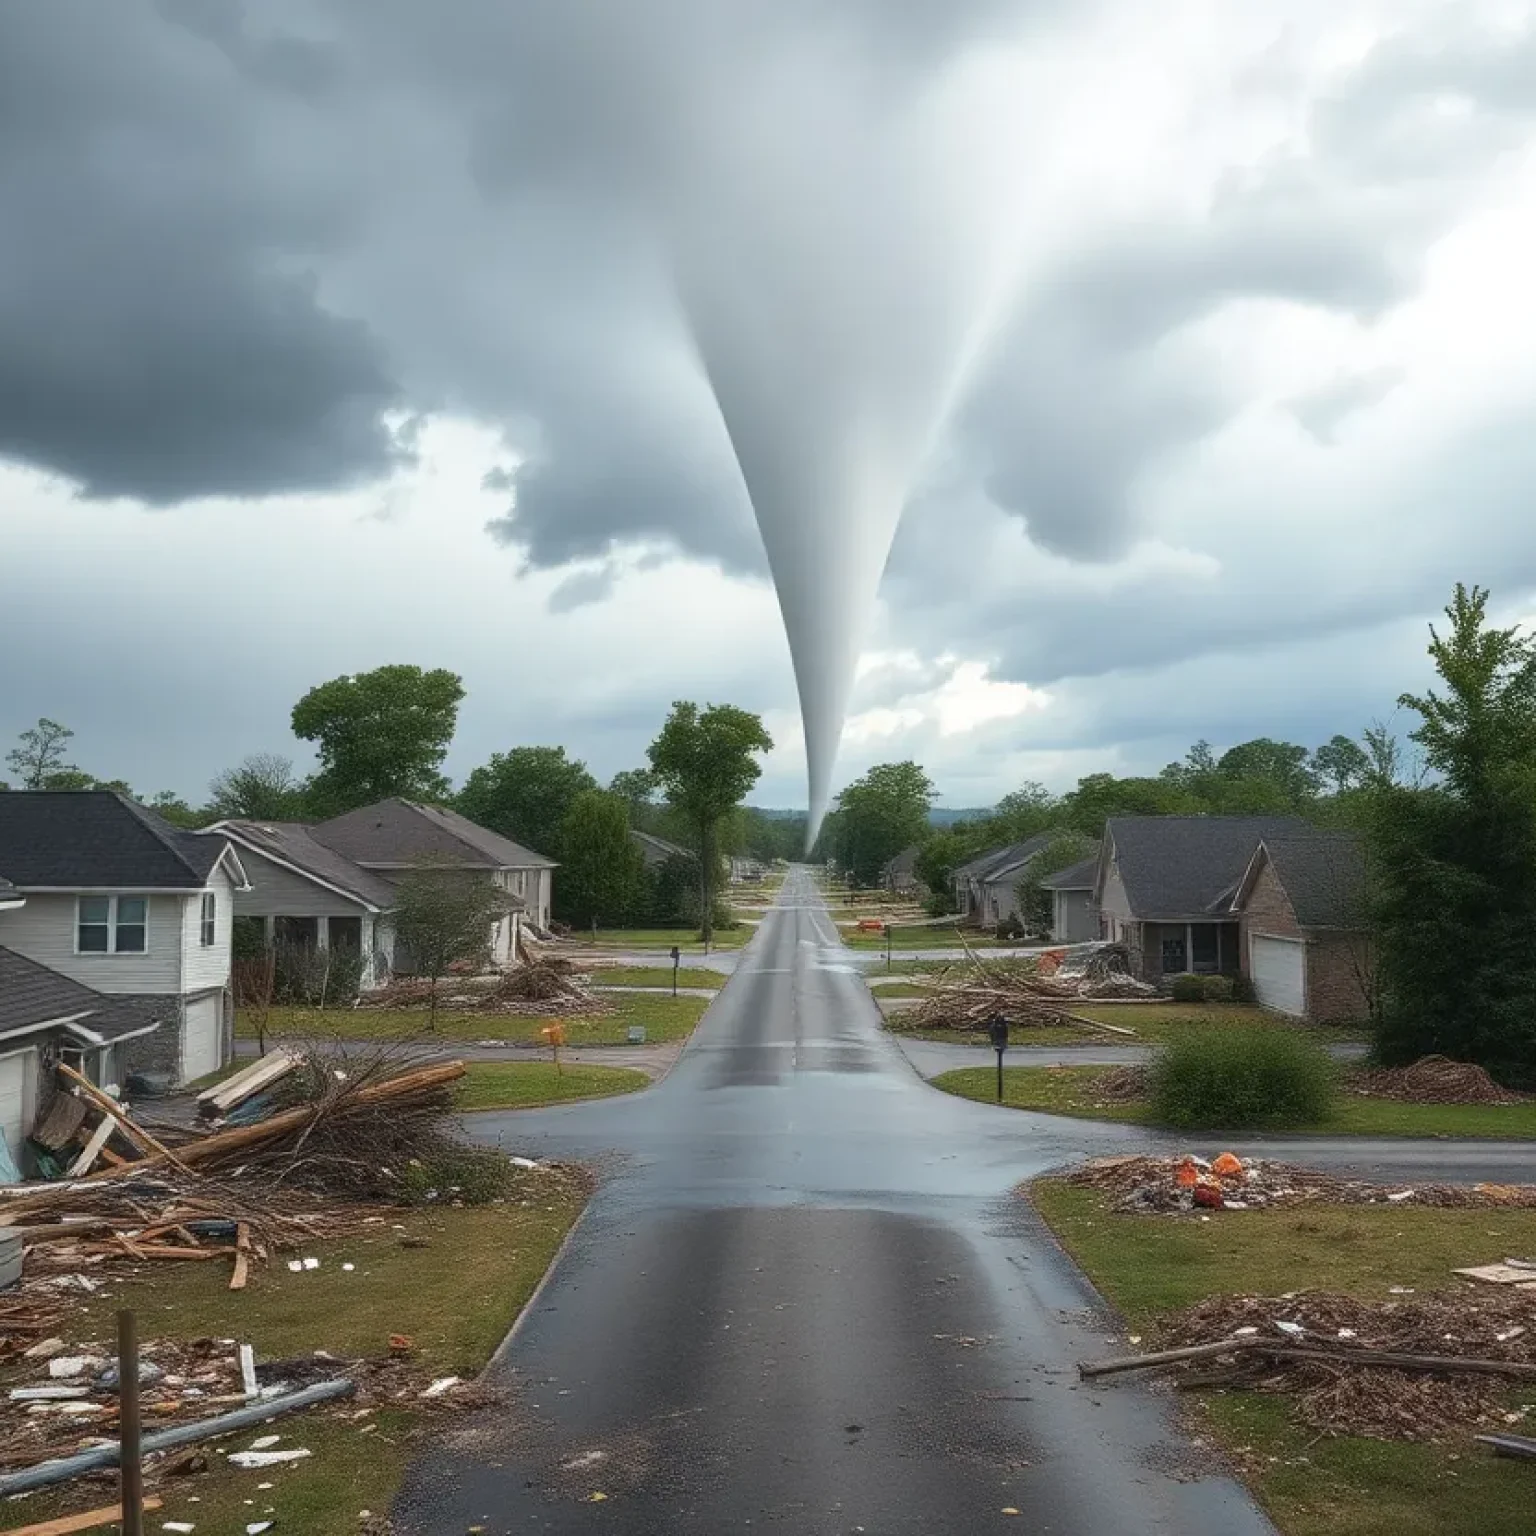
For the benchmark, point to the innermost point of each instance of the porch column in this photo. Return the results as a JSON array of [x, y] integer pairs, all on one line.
[[322, 933]]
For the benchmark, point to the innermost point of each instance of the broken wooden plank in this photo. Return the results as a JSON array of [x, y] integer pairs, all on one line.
[[99, 1138], [1165, 1357], [105, 1102], [242, 1267], [91, 1520]]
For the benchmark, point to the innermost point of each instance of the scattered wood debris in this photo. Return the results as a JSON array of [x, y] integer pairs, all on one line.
[[1433, 1080], [544, 986]]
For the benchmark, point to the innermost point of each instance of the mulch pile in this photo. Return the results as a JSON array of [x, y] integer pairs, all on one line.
[[1433, 1080], [1338, 1397], [1142, 1185]]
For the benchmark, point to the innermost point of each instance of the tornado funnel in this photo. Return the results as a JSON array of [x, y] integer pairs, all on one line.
[[836, 307]]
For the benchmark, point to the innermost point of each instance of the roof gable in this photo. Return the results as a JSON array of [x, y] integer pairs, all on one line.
[[1183, 866], [1000, 861], [1322, 873], [1076, 877], [84, 839], [396, 833], [289, 843], [32, 994]]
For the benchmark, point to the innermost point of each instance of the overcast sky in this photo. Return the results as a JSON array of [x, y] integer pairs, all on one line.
[[343, 332]]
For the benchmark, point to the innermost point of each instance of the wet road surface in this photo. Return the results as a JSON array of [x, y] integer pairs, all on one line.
[[806, 1300]]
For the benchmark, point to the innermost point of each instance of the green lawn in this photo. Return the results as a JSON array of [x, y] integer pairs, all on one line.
[[883, 990], [656, 976], [1068, 1091], [455, 1298], [921, 936], [686, 939], [664, 1018], [1312, 1486], [527, 1084]]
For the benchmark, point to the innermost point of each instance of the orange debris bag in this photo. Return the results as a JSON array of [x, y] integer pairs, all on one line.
[[1187, 1175], [1226, 1166]]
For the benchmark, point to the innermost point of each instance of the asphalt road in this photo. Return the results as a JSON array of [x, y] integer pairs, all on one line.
[[805, 1299]]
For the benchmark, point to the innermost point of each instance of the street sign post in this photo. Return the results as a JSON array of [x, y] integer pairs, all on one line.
[[677, 960], [887, 946], [997, 1028]]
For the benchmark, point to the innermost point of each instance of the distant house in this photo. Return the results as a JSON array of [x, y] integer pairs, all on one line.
[[1165, 886], [986, 888], [334, 883], [1300, 902], [107, 895], [1074, 920], [900, 873], [656, 851]]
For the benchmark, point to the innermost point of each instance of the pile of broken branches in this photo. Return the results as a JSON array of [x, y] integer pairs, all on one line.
[[1415, 1368], [969, 994], [1433, 1080], [546, 987]]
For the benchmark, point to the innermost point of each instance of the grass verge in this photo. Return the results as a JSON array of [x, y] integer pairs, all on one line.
[[455, 1297], [685, 939], [656, 976], [1069, 1091], [664, 1019], [528, 1084], [1310, 1486]]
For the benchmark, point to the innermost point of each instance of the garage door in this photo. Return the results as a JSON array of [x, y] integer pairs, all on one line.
[[13, 1109], [1280, 974], [202, 1039]]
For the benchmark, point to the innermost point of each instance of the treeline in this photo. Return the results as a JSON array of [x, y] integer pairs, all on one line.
[[387, 732]]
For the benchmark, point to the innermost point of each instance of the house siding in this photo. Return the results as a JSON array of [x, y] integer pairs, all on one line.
[[278, 892], [208, 967], [1334, 990], [44, 930], [1075, 921]]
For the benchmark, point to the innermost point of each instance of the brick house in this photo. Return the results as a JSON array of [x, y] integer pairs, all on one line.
[[1304, 943]]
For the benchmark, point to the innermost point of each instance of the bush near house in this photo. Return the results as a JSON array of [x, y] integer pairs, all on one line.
[[1190, 988]]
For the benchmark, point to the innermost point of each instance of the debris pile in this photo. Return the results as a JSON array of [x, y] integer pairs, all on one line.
[[543, 987], [1454, 1357], [970, 994], [1433, 1080], [1142, 1185]]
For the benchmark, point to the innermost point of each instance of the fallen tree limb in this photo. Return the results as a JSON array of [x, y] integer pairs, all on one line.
[[1389, 1359], [1087, 1368]]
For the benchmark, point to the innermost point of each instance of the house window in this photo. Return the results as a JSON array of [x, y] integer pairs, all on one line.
[[1175, 959], [112, 925], [210, 922]]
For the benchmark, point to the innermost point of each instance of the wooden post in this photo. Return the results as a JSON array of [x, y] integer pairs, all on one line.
[[131, 1481]]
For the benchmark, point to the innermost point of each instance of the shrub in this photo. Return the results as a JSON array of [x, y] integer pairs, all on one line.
[[1243, 990], [1188, 988], [1227, 1079], [1218, 989]]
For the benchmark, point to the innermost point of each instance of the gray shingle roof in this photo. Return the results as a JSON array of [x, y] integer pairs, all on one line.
[[1179, 866], [999, 861], [291, 842], [1323, 874], [96, 837], [32, 994], [1076, 877], [656, 850], [397, 833], [905, 862]]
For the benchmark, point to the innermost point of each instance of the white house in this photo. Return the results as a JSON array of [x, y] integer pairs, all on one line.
[[107, 894]]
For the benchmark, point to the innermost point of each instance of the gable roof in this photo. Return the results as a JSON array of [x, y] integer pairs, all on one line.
[[290, 843], [1322, 873], [396, 833], [656, 850], [1075, 877], [96, 838], [1187, 866], [32, 994], [905, 862], [1009, 861]]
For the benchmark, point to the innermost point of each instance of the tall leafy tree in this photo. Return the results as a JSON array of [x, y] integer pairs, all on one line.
[[1342, 764], [601, 870], [706, 761], [880, 814], [40, 758], [261, 787], [380, 733], [1101, 795], [1283, 764], [526, 794], [1454, 863]]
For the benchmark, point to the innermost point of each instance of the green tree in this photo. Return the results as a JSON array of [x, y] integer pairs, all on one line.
[[1037, 906], [1019, 815], [1454, 863], [442, 919], [940, 855], [379, 734], [706, 761], [878, 815], [1099, 796], [526, 794], [38, 758], [636, 787], [601, 869], [1281, 763], [175, 810], [1342, 764], [261, 787]]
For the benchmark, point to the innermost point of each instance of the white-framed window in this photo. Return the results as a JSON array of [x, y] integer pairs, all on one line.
[[112, 925], [210, 919]]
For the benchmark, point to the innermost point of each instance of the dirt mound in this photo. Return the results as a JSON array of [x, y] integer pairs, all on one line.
[[1433, 1080]]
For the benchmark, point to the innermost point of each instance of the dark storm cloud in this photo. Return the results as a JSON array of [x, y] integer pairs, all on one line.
[[160, 335]]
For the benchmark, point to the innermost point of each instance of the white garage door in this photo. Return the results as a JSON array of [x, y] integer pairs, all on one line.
[[202, 1039], [1280, 974], [13, 1106]]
